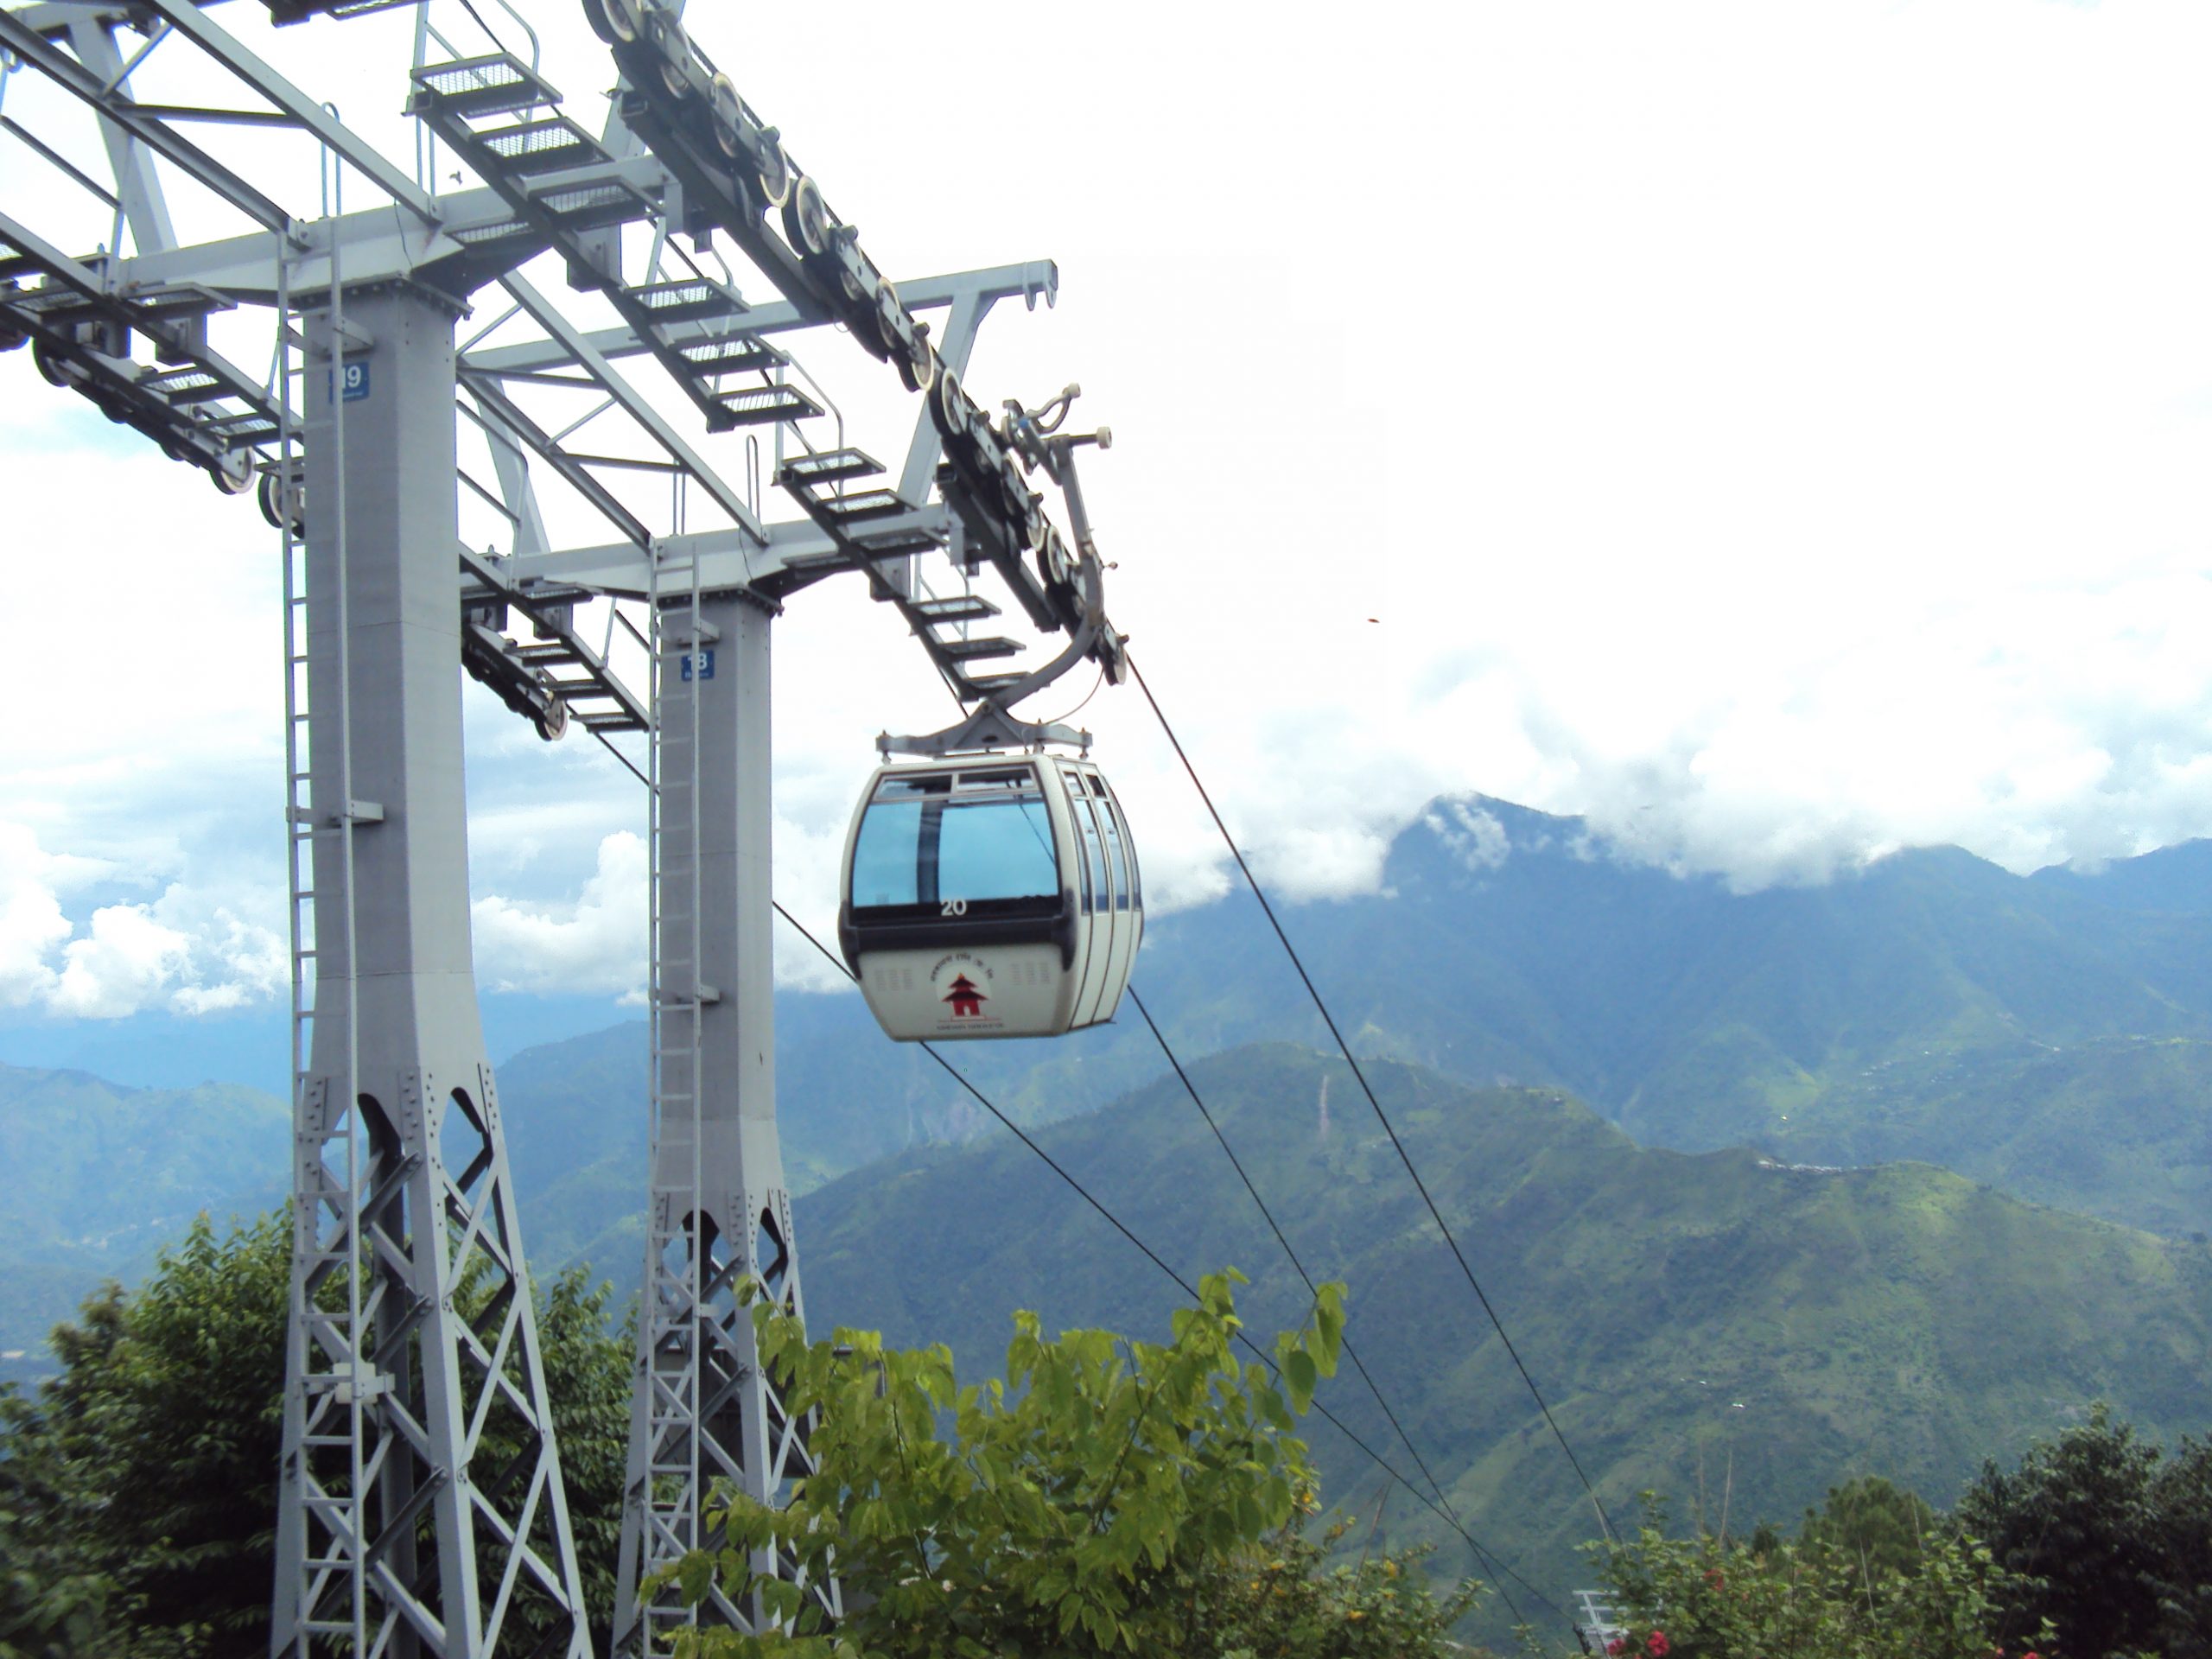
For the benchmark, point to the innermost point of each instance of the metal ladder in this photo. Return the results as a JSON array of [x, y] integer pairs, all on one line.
[[673, 1498], [323, 1529]]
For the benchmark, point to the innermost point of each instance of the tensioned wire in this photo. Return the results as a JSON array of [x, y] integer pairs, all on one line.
[[1482, 1557], [1190, 1290], [1451, 1515], [1381, 1116]]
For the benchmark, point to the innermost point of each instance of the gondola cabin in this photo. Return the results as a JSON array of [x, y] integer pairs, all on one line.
[[994, 896]]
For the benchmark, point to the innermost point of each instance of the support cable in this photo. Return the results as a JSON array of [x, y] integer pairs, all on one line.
[[1381, 1116], [1449, 1514], [1297, 1266], [1190, 1290]]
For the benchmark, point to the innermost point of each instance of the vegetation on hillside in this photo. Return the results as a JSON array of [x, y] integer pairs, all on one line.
[[2109, 1539], [138, 1487], [2093, 1546], [1789, 1327], [1817, 1596], [1110, 1496]]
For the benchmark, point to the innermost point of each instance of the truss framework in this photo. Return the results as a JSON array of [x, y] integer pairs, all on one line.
[[423, 1510]]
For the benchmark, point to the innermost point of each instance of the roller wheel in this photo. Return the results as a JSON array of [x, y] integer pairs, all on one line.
[[232, 477], [1053, 559], [806, 219], [675, 48], [726, 109], [616, 21], [775, 170], [948, 405], [917, 364], [52, 369]]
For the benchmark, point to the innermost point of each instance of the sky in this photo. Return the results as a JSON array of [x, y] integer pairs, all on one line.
[[1775, 433]]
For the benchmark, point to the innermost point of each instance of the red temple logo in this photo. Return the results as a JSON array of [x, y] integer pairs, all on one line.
[[967, 1001]]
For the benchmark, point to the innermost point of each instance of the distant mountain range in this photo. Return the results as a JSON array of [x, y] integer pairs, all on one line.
[[1713, 1324], [99, 1177], [2049, 1036]]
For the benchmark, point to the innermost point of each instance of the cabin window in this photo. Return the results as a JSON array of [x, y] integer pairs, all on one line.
[[1130, 847], [935, 839], [1102, 883], [1116, 853]]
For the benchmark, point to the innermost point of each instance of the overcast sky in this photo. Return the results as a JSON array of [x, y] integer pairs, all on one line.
[[1777, 432]]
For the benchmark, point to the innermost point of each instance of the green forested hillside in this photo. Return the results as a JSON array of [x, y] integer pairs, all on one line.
[[2047, 1035], [2043, 1035], [1709, 1322], [1832, 1024], [99, 1177]]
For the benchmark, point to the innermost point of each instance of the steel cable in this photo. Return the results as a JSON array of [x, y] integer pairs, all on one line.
[[1191, 1290], [1381, 1116]]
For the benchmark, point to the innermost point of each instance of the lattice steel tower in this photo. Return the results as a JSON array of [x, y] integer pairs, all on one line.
[[421, 1509]]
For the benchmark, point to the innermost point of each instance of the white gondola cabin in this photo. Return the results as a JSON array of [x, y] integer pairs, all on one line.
[[990, 896]]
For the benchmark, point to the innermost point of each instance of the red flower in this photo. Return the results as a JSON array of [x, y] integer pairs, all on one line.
[[1714, 1577], [1615, 1647], [1657, 1647]]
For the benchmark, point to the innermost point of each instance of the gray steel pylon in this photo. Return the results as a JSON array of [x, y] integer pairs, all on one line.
[[421, 1509], [705, 1413]]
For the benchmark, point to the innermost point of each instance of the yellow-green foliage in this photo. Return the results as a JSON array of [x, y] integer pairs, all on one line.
[[1704, 1598], [1109, 1497]]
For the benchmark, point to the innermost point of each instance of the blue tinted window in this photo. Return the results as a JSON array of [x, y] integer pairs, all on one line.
[[1129, 849], [933, 838], [1113, 852], [996, 849], [1094, 854], [884, 859]]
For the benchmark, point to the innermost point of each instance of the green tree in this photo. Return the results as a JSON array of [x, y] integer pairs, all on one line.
[[2078, 1526], [2182, 1501], [54, 1601], [146, 1472], [1295, 1595], [1882, 1526], [1702, 1597], [1110, 1496]]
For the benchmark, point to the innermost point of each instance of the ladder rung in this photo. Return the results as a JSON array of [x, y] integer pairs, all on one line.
[[542, 146], [830, 467], [960, 607], [965, 650], [757, 405], [861, 504], [731, 354], [893, 543], [496, 84], [686, 300]]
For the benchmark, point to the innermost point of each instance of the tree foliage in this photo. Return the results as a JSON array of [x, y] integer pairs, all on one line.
[[2110, 1541], [1881, 1526], [1110, 1496], [1818, 1598], [138, 1488]]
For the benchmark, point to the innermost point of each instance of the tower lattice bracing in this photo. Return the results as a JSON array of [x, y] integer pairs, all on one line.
[[423, 1510], [720, 1216]]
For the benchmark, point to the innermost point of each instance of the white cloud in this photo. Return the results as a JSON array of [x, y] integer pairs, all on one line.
[[592, 945], [1775, 433], [185, 952], [32, 926], [1469, 834], [122, 965]]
